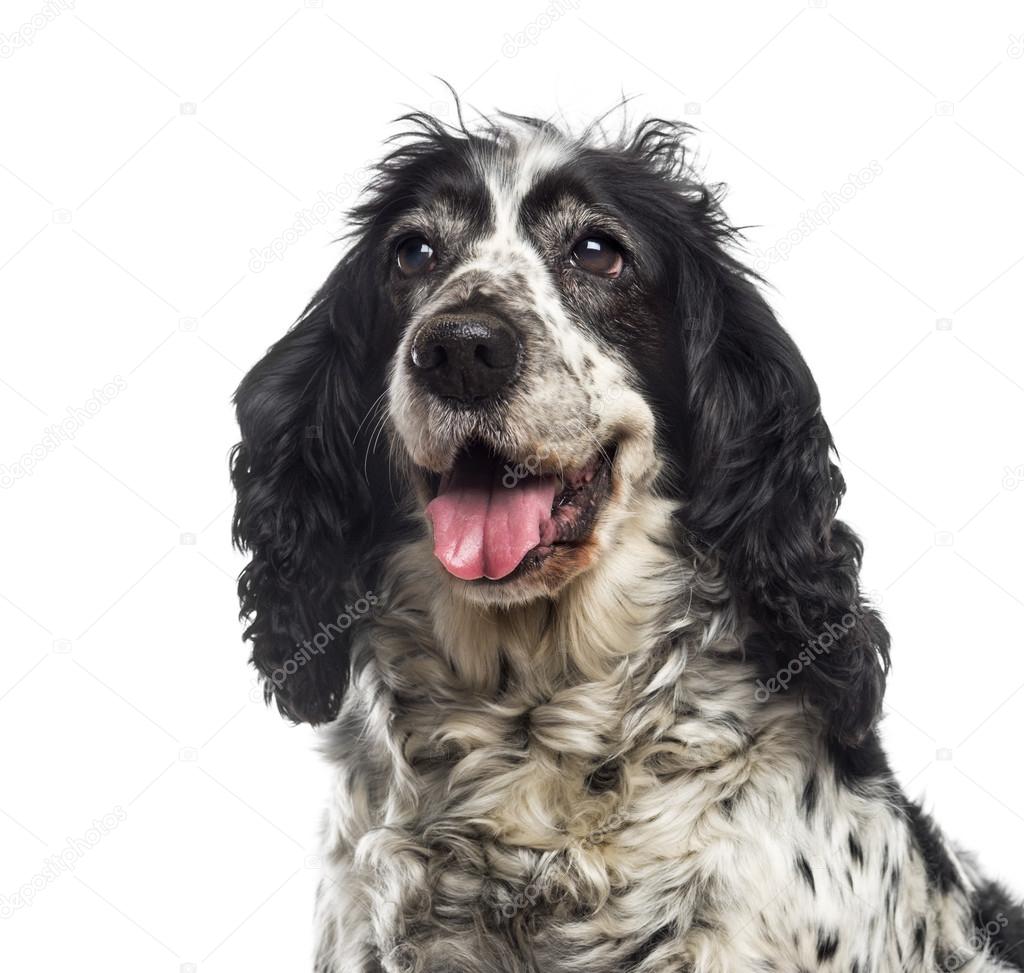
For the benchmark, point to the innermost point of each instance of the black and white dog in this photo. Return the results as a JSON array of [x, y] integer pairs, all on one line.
[[542, 519]]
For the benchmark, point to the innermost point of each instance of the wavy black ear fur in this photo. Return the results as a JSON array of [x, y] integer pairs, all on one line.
[[308, 494], [765, 492], [755, 464]]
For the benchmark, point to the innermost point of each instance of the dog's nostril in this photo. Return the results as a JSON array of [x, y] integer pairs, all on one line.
[[498, 353], [428, 356], [465, 358]]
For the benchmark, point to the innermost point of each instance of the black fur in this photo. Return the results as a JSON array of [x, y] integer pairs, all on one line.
[[999, 919], [309, 489]]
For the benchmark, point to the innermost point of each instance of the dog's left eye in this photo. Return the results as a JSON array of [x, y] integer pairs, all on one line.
[[598, 255], [415, 256]]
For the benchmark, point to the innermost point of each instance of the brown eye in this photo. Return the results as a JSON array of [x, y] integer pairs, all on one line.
[[598, 255], [415, 256]]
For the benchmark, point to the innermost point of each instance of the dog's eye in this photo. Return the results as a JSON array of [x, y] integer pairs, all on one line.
[[415, 256], [598, 255]]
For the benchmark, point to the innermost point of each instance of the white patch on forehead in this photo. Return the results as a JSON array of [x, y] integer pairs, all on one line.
[[509, 175], [514, 172]]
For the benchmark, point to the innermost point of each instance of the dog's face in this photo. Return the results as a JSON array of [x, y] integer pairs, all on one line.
[[523, 299], [545, 331]]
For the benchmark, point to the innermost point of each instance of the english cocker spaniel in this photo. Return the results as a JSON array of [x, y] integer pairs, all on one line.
[[542, 523]]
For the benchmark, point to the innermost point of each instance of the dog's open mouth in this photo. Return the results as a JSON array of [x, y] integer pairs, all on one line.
[[493, 518]]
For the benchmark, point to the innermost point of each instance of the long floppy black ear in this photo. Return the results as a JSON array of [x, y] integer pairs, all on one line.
[[763, 491], [306, 479]]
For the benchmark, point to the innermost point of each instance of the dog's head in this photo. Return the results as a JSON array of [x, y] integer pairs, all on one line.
[[531, 335]]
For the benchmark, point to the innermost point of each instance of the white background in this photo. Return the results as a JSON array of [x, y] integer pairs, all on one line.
[[147, 151]]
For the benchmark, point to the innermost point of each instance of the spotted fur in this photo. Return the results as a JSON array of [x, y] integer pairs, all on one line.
[[581, 769]]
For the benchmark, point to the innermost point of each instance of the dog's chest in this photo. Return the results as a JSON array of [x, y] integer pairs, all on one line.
[[552, 786], [651, 818], [508, 840], [512, 823]]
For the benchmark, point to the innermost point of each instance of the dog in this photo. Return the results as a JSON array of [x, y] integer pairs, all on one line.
[[541, 509]]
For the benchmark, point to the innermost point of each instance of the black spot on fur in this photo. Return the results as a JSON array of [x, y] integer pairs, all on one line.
[[856, 852], [828, 943], [519, 734], [920, 934], [862, 765], [809, 800], [804, 867], [604, 778], [941, 871], [650, 944]]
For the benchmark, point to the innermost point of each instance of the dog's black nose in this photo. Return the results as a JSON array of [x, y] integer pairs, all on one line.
[[468, 358]]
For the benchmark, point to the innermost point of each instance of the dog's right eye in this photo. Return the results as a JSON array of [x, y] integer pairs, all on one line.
[[598, 255], [415, 256]]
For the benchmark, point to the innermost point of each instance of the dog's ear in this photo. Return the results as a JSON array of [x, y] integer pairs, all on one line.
[[762, 490], [304, 473]]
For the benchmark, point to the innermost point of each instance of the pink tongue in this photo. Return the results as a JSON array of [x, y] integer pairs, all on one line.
[[483, 527]]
